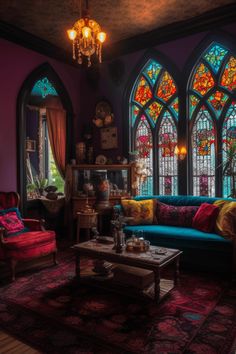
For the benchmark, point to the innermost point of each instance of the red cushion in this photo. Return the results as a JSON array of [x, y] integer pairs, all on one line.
[[11, 220], [30, 245], [175, 215], [205, 218]]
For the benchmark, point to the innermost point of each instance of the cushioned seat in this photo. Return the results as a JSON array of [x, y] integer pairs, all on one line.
[[31, 239]]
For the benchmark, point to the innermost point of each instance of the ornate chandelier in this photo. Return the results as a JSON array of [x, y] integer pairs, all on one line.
[[86, 37]]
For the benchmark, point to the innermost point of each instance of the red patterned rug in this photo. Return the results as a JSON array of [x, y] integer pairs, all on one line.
[[48, 310]]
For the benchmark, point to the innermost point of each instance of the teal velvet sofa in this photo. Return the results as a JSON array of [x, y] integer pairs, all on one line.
[[201, 250]]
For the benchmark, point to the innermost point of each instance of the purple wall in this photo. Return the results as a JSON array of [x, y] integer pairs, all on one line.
[[178, 51], [16, 63]]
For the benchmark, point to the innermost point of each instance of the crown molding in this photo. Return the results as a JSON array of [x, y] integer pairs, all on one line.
[[207, 21], [204, 22]]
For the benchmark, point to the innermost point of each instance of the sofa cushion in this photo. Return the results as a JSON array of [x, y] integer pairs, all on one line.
[[29, 245], [175, 215], [142, 212], [11, 220], [205, 218], [226, 220], [181, 237]]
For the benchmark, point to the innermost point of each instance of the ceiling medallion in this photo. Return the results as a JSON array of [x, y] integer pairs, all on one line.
[[87, 37]]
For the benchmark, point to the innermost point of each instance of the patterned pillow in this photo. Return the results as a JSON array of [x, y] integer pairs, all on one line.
[[175, 215], [11, 220], [226, 220], [142, 212]]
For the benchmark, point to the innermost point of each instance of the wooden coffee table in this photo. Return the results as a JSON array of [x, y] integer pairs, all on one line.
[[148, 260]]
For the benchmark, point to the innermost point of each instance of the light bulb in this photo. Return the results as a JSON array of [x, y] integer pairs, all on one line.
[[101, 36], [71, 34], [86, 31]]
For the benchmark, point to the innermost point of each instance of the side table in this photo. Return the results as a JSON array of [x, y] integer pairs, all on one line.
[[86, 221]]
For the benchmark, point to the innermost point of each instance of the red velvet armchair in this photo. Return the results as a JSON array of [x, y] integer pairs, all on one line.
[[27, 245]]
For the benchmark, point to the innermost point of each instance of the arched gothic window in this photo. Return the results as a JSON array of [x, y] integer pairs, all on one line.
[[212, 120], [153, 118]]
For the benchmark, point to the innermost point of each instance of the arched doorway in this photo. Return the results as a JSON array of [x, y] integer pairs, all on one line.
[[43, 72]]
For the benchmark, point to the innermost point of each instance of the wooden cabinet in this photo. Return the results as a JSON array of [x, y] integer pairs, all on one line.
[[81, 186]]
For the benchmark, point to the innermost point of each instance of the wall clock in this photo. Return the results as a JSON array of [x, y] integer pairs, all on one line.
[[109, 138]]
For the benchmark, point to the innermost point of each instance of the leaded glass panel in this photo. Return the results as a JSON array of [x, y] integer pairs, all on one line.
[[167, 87], [175, 107], [228, 148], [229, 75], [214, 56], [193, 104], [218, 100], [154, 111], [144, 145], [203, 79], [143, 91], [152, 70], [168, 168], [43, 88], [134, 113], [203, 155]]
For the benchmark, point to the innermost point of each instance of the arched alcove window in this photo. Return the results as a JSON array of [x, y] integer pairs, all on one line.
[[153, 117], [211, 92]]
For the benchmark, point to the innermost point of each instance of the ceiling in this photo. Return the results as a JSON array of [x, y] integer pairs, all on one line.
[[121, 19]]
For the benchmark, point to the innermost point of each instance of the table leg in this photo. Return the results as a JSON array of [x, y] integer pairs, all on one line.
[[77, 265], [78, 234], [157, 285], [176, 277]]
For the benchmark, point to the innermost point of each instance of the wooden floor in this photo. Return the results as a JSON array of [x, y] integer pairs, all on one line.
[[10, 345]]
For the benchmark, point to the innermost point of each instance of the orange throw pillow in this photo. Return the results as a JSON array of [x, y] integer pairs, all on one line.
[[226, 220]]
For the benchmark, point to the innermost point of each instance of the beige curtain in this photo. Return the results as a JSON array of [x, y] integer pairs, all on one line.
[[56, 122]]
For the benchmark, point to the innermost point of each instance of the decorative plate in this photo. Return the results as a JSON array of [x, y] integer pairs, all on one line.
[[101, 160]]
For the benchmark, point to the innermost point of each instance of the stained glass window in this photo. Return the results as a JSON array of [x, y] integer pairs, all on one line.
[[154, 110], [43, 88], [143, 144], [193, 104], [203, 80], [167, 87], [152, 70], [203, 154], [228, 148], [167, 141], [143, 92], [229, 75], [215, 55], [218, 100]]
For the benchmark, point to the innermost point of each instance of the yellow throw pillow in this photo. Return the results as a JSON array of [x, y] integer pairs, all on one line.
[[226, 220], [142, 211]]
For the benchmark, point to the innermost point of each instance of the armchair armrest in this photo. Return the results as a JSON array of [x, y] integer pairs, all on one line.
[[34, 224]]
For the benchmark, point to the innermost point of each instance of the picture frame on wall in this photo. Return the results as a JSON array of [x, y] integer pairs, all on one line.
[[109, 138]]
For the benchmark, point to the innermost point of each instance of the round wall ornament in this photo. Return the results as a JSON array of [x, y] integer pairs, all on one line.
[[101, 160]]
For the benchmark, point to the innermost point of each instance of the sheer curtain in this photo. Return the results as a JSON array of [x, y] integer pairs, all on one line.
[[56, 122]]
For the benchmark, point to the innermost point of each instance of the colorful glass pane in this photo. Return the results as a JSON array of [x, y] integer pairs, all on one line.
[[193, 104], [168, 167], [43, 88], [152, 70], [203, 80], [203, 154], [229, 75], [218, 100], [143, 144], [215, 56], [153, 111], [143, 92], [166, 87], [134, 113], [175, 107], [228, 146]]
